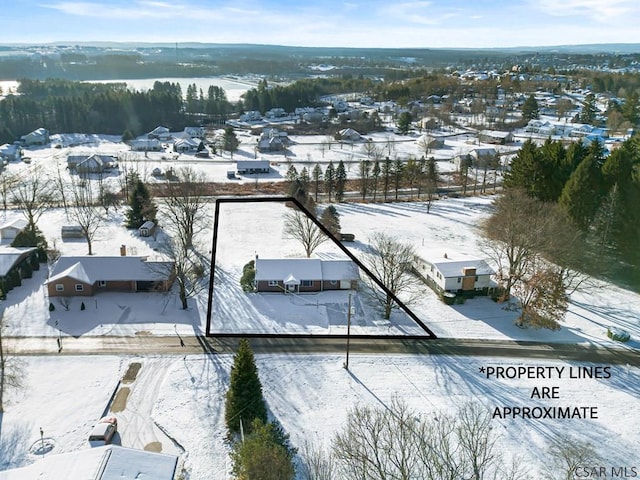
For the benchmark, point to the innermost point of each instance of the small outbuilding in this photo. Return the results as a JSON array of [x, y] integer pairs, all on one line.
[[147, 229], [10, 230]]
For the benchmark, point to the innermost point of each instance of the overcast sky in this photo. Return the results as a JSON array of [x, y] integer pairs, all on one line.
[[350, 23]]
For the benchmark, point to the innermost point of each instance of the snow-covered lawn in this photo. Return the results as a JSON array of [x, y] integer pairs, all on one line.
[[311, 396]]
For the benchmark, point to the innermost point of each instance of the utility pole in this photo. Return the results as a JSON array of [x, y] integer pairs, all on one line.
[[346, 364]]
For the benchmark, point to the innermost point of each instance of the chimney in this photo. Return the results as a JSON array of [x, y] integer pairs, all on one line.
[[123, 250]]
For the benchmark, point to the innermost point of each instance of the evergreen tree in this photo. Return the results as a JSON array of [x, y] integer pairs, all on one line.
[[524, 168], [341, 181], [398, 172], [291, 175], [304, 178], [583, 192], [141, 207], [329, 180], [404, 123], [387, 171], [375, 178], [230, 140], [263, 455], [317, 176], [244, 400], [365, 172], [530, 109], [330, 218], [589, 110], [631, 108]]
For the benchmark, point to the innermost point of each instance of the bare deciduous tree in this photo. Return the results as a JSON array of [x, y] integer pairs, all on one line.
[[7, 182], [567, 455], [184, 206], [86, 213], [189, 269], [33, 194], [398, 443], [536, 250], [391, 260], [299, 226], [317, 463]]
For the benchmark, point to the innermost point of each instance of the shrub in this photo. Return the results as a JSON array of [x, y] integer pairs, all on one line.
[[82, 307], [51, 307], [248, 276], [618, 334]]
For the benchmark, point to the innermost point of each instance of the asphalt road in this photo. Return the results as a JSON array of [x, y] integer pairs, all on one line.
[[186, 345]]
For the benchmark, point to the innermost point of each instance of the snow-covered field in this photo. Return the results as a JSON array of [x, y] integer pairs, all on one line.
[[310, 395]]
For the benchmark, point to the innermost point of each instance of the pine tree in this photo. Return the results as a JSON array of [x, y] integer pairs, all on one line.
[[330, 218], [524, 168], [304, 178], [387, 171], [244, 401], [291, 175], [398, 172], [583, 192], [365, 172], [329, 180], [317, 176], [375, 178], [530, 108], [341, 181], [141, 207]]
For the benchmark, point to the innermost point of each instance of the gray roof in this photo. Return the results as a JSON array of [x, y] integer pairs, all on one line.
[[9, 256], [253, 163], [17, 223], [453, 268], [305, 269], [90, 269]]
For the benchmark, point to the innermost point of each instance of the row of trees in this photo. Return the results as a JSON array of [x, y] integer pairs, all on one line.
[[599, 193], [378, 180]]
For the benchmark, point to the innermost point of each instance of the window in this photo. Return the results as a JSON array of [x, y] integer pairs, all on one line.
[[59, 287], [333, 282], [102, 283], [79, 287], [459, 279], [476, 278], [307, 283], [273, 283]]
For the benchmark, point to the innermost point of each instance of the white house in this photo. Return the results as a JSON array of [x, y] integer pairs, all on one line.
[[146, 145], [458, 275], [160, 133], [349, 134], [37, 137], [253, 166], [187, 145]]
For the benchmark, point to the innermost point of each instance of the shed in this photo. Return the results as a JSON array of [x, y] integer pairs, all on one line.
[[72, 231], [147, 229], [10, 230]]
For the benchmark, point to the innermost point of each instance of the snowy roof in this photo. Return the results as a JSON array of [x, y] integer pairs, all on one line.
[[453, 268], [339, 270], [18, 224], [9, 256], [110, 462], [305, 269], [280, 269], [90, 269], [252, 163]]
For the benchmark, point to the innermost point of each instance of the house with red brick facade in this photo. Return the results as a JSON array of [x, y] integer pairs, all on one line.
[[88, 275], [299, 275]]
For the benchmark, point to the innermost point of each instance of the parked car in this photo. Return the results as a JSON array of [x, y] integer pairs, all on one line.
[[103, 431]]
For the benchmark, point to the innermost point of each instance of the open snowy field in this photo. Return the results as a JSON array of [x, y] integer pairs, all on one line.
[[311, 396]]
